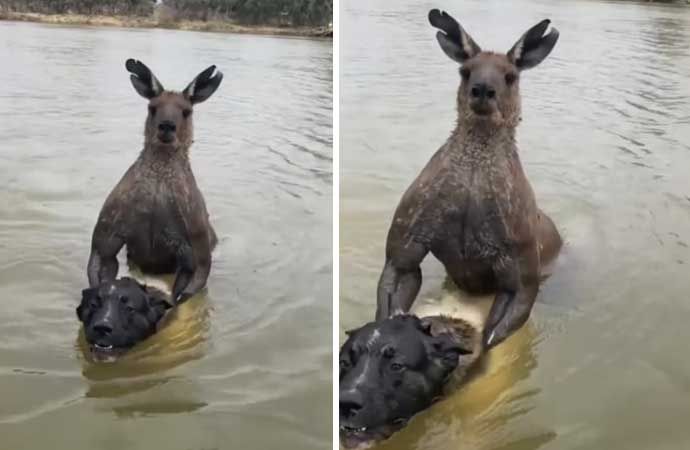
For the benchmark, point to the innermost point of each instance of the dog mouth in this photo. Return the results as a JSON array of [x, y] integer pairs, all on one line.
[[107, 353], [359, 438]]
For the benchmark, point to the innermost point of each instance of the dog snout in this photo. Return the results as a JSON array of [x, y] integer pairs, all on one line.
[[482, 91], [167, 126], [103, 328], [351, 402]]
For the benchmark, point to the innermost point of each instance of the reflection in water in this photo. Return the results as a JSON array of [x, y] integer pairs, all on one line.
[[605, 142]]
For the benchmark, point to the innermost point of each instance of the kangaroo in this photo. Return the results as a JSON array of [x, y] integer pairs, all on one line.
[[472, 206], [157, 209]]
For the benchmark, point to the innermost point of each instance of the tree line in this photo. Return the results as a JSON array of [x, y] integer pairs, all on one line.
[[88, 7], [273, 12], [294, 12]]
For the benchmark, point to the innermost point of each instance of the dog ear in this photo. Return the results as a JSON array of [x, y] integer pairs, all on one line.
[[158, 304], [447, 350], [139, 284], [351, 332], [157, 298], [425, 326], [87, 295]]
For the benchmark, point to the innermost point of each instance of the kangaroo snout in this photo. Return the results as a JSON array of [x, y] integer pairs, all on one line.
[[167, 126], [482, 91]]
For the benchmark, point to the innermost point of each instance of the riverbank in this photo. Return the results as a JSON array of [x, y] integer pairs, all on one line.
[[150, 22]]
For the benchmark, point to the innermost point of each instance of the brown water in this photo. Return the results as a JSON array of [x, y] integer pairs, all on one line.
[[605, 141], [246, 365]]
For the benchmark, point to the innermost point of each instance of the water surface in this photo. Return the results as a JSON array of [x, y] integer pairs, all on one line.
[[246, 364], [605, 142]]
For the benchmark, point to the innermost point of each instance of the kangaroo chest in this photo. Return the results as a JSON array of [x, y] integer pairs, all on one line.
[[470, 216], [155, 216]]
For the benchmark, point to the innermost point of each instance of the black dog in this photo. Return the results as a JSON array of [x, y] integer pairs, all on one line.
[[394, 368], [119, 314]]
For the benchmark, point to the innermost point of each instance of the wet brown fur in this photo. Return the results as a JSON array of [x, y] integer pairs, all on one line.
[[472, 206], [157, 209], [467, 337]]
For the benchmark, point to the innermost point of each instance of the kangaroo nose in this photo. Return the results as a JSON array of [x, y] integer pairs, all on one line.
[[483, 91], [351, 402], [103, 328], [167, 126]]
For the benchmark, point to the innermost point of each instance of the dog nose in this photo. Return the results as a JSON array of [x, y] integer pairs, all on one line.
[[482, 91], [103, 329], [167, 126], [351, 402]]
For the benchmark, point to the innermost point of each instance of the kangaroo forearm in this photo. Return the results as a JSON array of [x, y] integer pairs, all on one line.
[[397, 290], [509, 313], [93, 269], [189, 283]]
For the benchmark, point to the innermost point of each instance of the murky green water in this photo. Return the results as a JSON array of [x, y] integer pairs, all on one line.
[[248, 364], [605, 141]]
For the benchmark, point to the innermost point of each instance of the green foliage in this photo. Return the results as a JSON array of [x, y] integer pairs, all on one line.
[[287, 12], [90, 7], [273, 12]]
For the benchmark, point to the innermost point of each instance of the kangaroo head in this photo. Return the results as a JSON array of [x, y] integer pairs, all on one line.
[[169, 121], [489, 90]]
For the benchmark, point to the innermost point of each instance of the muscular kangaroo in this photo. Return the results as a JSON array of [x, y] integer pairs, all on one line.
[[472, 206], [157, 209]]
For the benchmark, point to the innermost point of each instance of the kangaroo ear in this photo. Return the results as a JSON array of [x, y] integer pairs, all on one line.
[[453, 39], [143, 80], [204, 85], [533, 47]]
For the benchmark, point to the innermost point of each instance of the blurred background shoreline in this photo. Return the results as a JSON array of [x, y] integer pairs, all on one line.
[[306, 18]]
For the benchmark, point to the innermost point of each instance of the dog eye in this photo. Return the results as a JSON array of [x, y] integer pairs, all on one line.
[[465, 73], [94, 303], [186, 113], [397, 367], [388, 352], [510, 78], [344, 364], [152, 110], [123, 299]]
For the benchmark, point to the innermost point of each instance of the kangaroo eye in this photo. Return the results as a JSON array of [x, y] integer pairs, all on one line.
[[465, 73], [152, 110], [186, 113], [510, 78]]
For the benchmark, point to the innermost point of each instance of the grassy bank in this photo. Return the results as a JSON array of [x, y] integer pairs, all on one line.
[[151, 22]]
